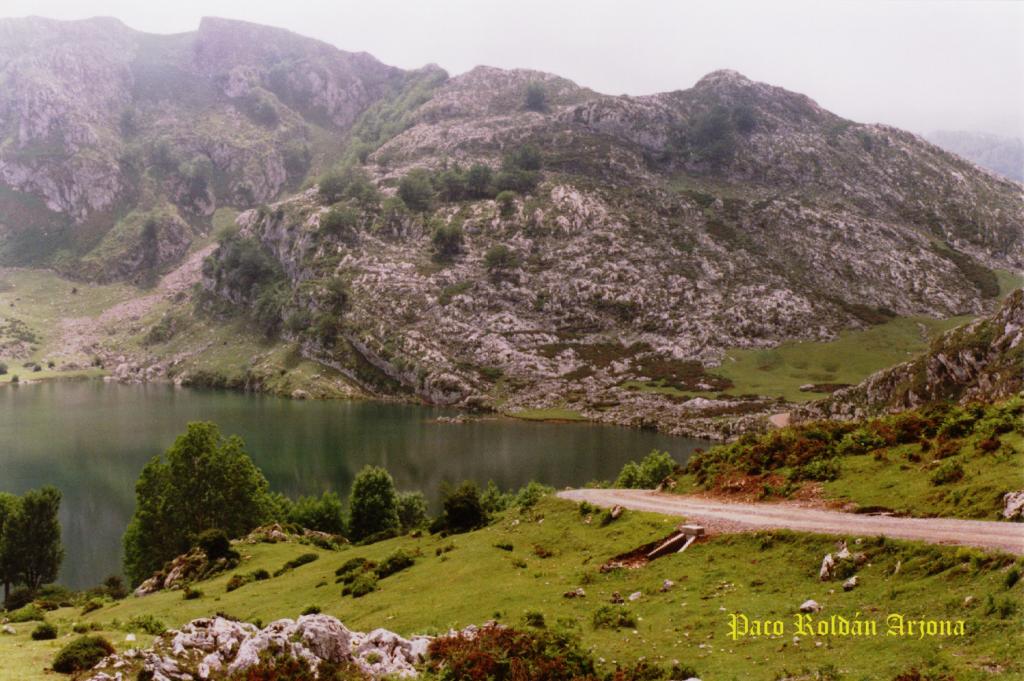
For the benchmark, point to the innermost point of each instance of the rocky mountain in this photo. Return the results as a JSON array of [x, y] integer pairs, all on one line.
[[1003, 155], [657, 232], [980, 361], [502, 239], [116, 147]]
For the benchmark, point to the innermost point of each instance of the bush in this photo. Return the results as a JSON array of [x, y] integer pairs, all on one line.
[[613, 617], [494, 500], [535, 619], [311, 610], [215, 544], [340, 221], [323, 514], [417, 190], [948, 472], [478, 181], [373, 504], [190, 594], [506, 203], [447, 241], [412, 510], [820, 469], [531, 493], [82, 654], [396, 562], [91, 605], [536, 97], [19, 598], [364, 583], [297, 562], [648, 473], [500, 258], [28, 613], [463, 510], [147, 624], [44, 632]]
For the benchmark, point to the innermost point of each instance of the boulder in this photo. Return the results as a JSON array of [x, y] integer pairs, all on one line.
[[827, 566], [850, 584], [1013, 505], [635, 596], [810, 606], [667, 585]]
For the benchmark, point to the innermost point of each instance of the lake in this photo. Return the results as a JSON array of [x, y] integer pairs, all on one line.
[[91, 439]]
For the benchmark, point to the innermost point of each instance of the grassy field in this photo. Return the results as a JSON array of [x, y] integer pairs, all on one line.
[[549, 414], [468, 579], [780, 371]]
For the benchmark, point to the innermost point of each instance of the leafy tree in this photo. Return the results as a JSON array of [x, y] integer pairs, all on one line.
[[267, 310], [9, 505], [393, 214], [447, 241], [526, 157], [712, 136], [478, 181], [373, 504], [323, 514], [417, 190], [203, 481], [32, 551], [536, 97], [412, 510], [463, 510], [452, 186], [499, 258], [494, 500]]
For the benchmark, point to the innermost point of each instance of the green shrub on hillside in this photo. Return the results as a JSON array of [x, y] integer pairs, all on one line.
[[81, 654], [648, 473], [373, 504], [44, 632]]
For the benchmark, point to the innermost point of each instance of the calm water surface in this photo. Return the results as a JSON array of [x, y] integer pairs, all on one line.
[[91, 439]]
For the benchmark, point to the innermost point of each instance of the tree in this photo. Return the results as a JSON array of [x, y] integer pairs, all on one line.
[[463, 510], [452, 185], [412, 510], [499, 259], [416, 190], [331, 187], [203, 481], [9, 505], [536, 97], [373, 504], [447, 241], [32, 551], [323, 514], [478, 181]]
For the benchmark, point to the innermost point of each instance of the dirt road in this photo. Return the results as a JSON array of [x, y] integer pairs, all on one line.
[[737, 517]]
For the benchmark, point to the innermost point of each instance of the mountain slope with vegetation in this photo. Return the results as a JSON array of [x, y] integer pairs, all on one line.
[[499, 240]]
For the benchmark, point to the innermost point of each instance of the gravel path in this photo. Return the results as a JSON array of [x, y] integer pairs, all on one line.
[[724, 516]]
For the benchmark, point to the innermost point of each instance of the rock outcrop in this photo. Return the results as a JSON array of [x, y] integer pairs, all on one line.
[[980, 361], [207, 648]]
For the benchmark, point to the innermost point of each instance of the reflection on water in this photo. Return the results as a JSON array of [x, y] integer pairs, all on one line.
[[91, 439]]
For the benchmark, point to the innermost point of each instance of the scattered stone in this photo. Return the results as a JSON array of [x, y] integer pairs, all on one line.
[[9, 630], [617, 598], [827, 566], [578, 592], [300, 394], [129, 638], [616, 512], [850, 584], [635, 596], [970, 601], [666, 585], [810, 606], [842, 553]]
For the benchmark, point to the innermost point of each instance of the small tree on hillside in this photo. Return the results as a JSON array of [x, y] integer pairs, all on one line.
[[536, 97], [373, 504], [417, 190], [447, 241], [323, 514], [9, 505]]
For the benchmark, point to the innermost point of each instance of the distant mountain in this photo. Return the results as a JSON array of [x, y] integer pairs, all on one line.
[[1003, 155], [635, 239]]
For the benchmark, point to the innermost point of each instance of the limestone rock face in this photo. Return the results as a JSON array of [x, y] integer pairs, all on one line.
[[97, 120]]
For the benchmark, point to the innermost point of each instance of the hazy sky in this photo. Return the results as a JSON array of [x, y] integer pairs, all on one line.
[[919, 65]]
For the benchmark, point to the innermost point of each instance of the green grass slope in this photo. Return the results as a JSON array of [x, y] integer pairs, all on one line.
[[555, 548]]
